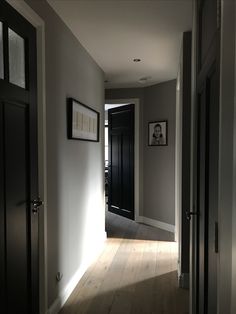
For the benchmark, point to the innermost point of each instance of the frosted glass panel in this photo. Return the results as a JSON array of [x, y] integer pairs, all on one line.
[[1, 53], [16, 59]]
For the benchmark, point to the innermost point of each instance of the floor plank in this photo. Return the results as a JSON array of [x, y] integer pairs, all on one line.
[[135, 274]]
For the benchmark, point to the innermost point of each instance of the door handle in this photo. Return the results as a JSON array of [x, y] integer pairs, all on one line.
[[36, 204], [189, 214]]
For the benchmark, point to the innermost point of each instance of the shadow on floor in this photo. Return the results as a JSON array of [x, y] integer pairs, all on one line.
[[120, 227], [158, 295]]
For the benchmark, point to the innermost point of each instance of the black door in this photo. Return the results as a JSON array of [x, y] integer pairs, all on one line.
[[18, 165], [121, 161], [208, 50]]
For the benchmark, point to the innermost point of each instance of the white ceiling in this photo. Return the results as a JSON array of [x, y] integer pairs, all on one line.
[[114, 32]]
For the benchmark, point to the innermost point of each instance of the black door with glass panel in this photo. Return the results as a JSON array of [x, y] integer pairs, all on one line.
[[121, 161], [18, 165]]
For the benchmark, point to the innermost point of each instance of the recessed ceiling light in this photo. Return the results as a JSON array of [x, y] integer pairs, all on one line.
[[144, 79], [136, 60]]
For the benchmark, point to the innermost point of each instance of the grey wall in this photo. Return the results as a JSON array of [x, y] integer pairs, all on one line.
[[158, 163], [75, 169], [125, 93]]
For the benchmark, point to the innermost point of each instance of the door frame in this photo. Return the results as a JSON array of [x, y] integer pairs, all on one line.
[[233, 304], [32, 17], [137, 172], [193, 171], [227, 161]]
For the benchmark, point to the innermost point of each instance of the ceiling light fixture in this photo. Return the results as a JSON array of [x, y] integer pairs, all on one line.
[[136, 60], [144, 79]]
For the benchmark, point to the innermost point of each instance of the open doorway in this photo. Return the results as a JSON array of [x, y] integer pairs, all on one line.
[[119, 159], [116, 103]]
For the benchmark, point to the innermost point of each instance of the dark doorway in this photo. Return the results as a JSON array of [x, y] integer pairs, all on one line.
[[121, 161], [18, 164], [208, 64]]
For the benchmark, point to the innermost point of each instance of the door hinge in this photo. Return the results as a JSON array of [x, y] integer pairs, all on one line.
[[218, 14], [216, 238], [36, 204]]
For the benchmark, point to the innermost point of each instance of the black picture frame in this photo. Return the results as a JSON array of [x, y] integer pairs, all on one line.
[[158, 133], [83, 121]]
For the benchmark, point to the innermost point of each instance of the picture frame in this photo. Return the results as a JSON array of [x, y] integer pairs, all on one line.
[[158, 133], [83, 122]]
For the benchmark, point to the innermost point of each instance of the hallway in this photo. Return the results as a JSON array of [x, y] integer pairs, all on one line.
[[135, 273]]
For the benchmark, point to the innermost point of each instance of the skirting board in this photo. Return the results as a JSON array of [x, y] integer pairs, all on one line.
[[64, 295], [156, 223]]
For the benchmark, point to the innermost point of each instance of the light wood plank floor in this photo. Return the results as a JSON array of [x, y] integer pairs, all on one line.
[[135, 273]]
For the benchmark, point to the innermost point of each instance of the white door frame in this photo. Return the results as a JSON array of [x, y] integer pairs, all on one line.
[[39, 24], [134, 101]]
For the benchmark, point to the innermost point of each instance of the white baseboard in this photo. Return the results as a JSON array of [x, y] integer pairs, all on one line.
[[66, 292], [156, 223]]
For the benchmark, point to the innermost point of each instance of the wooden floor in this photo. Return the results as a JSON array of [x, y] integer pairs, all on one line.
[[136, 273]]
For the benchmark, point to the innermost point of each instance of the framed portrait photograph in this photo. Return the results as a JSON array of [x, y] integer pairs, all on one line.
[[83, 122], [157, 133]]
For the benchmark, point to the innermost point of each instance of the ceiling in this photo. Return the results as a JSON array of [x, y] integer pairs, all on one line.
[[114, 32]]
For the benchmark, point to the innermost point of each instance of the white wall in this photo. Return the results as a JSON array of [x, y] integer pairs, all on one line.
[[75, 176]]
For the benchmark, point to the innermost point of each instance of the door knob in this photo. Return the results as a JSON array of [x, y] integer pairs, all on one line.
[[36, 204]]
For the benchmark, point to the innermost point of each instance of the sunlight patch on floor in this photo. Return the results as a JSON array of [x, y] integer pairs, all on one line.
[[139, 261]]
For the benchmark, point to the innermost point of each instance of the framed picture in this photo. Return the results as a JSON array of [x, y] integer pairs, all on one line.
[[157, 133], [83, 122]]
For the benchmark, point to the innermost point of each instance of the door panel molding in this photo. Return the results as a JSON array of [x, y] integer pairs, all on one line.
[[121, 160]]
